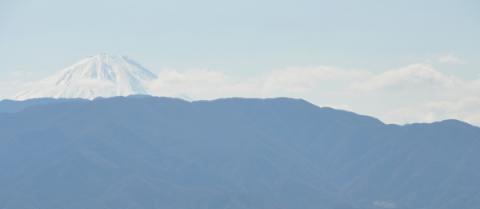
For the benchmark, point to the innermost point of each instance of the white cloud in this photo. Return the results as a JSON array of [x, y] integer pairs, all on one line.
[[414, 93], [292, 82], [419, 93], [450, 59], [408, 78], [202, 84]]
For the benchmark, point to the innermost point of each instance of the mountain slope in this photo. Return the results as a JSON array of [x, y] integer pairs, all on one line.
[[148, 152], [96, 76]]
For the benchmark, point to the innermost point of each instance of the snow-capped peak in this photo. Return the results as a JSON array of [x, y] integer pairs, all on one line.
[[101, 75]]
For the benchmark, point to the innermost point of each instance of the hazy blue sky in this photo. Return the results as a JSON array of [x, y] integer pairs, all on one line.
[[401, 61], [240, 37]]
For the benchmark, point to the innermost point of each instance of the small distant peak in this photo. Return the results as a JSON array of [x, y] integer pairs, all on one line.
[[453, 122], [445, 123]]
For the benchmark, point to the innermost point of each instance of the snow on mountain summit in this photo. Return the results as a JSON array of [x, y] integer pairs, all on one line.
[[101, 75]]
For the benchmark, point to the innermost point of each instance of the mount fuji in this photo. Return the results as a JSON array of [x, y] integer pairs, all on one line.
[[101, 75]]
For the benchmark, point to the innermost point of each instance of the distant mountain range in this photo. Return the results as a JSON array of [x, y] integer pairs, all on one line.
[[143, 152], [101, 75]]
